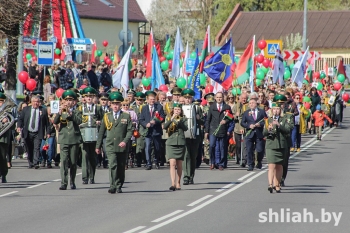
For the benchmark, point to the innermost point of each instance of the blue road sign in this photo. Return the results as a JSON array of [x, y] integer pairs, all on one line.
[[45, 53]]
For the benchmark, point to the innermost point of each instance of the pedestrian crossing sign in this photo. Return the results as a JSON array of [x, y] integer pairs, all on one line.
[[271, 46]]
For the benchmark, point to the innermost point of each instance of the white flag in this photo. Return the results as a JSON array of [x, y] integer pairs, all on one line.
[[121, 76], [300, 69], [278, 67], [178, 48]]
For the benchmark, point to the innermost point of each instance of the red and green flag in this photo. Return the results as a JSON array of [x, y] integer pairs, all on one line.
[[242, 71], [205, 50]]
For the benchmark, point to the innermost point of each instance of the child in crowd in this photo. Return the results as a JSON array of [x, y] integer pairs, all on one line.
[[319, 116]]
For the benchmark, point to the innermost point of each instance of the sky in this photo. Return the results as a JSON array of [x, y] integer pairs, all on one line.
[[144, 4]]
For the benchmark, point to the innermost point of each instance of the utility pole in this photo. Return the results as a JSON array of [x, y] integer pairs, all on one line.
[[19, 85], [125, 27], [305, 25]]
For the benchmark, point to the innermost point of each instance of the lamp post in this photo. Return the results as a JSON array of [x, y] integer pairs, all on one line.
[[305, 25]]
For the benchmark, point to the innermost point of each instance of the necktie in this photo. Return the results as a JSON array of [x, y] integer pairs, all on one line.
[[254, 117], [219, 109], [115, 116], [33, 120], [151, 110]]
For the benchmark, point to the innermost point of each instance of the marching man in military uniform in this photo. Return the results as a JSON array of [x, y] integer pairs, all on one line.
[[4, 142], [95, 112], [140, 142], [209, 97], [118, 126], [69, 138]]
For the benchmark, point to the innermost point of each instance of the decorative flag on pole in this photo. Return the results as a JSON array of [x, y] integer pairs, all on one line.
[[157, 76], [205, 50], [150, 45], [167, 46], [325, 66], [300, 69], [252, 69], [218, 67], [93, 51], [278, 67], [121, 76], [194, 83], [178, 48], [245, 64], [183, 70], [340, 68]]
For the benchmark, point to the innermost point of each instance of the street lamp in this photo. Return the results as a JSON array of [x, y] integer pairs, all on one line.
[[305, 25]]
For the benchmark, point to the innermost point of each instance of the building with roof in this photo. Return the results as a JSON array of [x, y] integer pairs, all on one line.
[[103, 20], [328, 32]]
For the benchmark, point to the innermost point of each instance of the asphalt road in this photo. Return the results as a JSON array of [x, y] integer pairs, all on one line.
[[233, 200]]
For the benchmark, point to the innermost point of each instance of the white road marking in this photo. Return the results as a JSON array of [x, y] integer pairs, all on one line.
[[200, 200], [135, 229], [6, 194], [37, 185], [78, 174], [245, 176], [167, 216], [56, 180], [225, 187]]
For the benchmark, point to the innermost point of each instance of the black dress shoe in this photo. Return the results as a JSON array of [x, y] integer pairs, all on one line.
[[111, 191], [186, 182], [92, 181], [57, 164], [172, 188], [148, 168], [85, 182], [259, 165], [36, 166], [243, 165], [63, 187], [49, 166], [72, 186], [191, 181], [250, 168], [30, 166], [119, 190], [3, 179]]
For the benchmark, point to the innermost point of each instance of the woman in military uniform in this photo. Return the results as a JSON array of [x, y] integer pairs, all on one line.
[[276, 131], [176, 125]]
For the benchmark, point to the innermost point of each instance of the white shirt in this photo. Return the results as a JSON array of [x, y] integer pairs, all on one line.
[[219, 106], [151, 108], [255, 112]]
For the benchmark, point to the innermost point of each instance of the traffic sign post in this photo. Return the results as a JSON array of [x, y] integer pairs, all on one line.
[[45, 53], [295, 55], [271, 47]]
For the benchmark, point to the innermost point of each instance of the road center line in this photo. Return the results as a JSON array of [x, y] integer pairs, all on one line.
[[200, 200], [135, 229], [56, 180], [167, 216], [37, 185], [6, 194], [226, 187], [245, 176]]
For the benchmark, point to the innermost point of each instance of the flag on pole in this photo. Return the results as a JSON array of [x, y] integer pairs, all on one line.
[[116, 57], [150, 45], [252, 69], [167, 46], [183, 70], [178, 48], [278, 67], [93, 51], [245, 64], [325, 66], [121, 76], [300, 69], [194, 82], [340, 68], [205, 50], [218, 67], [157, 76]]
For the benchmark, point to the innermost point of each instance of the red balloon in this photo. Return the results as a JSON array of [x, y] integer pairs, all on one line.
[[31, 84], [204, 102], [262, 44], [163, 88], [346, 97], [162, 59], [34, 58], [105, 43], [59, 92], [337, 86], [266, 63], [105, 58], [260, 58], [23, 77], [307, 105], [316, 75], [170, 64], [209, 88], [182, 55], [108, 61], [33, 42], [82, 86]]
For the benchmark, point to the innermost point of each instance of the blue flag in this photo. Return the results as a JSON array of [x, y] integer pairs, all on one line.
[[194, 82], [157, 75]]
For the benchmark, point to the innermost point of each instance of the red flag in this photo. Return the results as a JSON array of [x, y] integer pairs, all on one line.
[[94, 49], [150, 45], [159, 52], [204, 51], [325, 67], [340, 68]]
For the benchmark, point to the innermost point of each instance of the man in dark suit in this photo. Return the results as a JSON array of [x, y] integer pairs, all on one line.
[[34, 124], [152, 128], [253, 122], [93, 78], [215, 118]]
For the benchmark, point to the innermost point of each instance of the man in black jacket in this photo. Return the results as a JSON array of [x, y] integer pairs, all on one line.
[[93, 78]]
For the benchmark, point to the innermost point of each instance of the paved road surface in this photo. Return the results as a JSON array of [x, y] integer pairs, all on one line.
[[232, 200]]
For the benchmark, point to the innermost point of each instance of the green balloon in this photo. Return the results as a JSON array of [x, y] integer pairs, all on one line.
[[238, 91], [291, 66], [146, 81], [181, 63], [235, 82], [260, 75], [305, 82], [264, 69], [171, 54], [258, 82], [285, 63], [349, 101], [112, 58], [181, 82], [319, 86], [308, 115], [286, 75], [306, 99], [168, 56], [164, 65], [133, 49], [28, 56], [202, 79], [193, 55], [341, 78], [101, 60], [99, 53], [241, 79], [57, 51], [323, 75], [234, 91], [36, 52]]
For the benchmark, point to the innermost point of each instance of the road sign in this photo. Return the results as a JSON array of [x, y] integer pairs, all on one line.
[[45, 53], [27, 42], [121, 36], [295, 55], [271, 46], [82, 44]]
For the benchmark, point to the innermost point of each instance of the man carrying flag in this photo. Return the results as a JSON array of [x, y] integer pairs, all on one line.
[[278, 67]]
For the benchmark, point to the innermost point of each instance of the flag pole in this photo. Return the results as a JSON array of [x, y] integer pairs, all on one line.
[[251, 81], [296, 74]]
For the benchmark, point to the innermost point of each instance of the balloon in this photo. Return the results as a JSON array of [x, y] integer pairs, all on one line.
[[82, 86], [244, 77], [146, 81], [34, 58], [162, 59], [341, 78], [133, 49], [305, 82], [337, 86], [308, 115], [170, 64], [105, 43], [306, 99], [264, 69], [258, 82], [291, 66], [33, 42], [164, 65], [202, 79], [346, 97], [262, 44], [23, 77], [108, 61], [57, 51], [260, 75], [105, 58], [28, 56], [183, 55], [316, 75], [99, 53], [209, 88], [284, 63], [171, 54], [234, 91], [31, 84], [260, 58], [163, 88], [168, 56], [238, 91], [286, 74], [181, 82], [266, 63], [193, 55], [323, 75], [307, 105], [319, 86], [101, 60], [60, 91], [112, 58], [235, 82]]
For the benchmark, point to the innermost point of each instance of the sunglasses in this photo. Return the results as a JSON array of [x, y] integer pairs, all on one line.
[[230, 97], [297, 98], [125, 105], [261, 96]]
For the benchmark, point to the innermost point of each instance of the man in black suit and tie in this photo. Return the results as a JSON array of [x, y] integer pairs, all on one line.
[[34, 124], [152, 128], [253, 122]]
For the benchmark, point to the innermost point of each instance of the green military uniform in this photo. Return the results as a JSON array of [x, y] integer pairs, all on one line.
[[89, 157], [118, 127], [290, 121], [4, 144], [140, 142], [69, 138], [209, 97]]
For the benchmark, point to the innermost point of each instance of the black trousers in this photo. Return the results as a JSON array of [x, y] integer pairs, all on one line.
[[33, 143]]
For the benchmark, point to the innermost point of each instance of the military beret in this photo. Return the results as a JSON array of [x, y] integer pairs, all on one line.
[[115, 97], [187, 92], [176, 91], [89, 91]]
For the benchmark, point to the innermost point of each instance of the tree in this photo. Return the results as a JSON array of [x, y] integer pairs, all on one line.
[[293, 42]]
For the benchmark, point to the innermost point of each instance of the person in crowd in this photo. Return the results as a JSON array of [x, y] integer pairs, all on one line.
[[93, 78], [47, 88], [83, 79], [320, 116], [4, 141]]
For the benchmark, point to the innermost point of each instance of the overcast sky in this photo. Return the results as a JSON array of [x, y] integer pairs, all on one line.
[[144, 4]]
